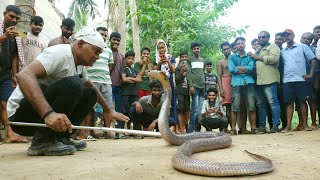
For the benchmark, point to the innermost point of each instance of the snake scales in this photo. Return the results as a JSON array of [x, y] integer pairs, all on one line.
[[199, 142]]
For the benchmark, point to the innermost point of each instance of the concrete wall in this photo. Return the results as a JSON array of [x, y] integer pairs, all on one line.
[[52, 19]]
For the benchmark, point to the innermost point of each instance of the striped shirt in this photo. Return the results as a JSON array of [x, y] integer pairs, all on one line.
[[99, 72]]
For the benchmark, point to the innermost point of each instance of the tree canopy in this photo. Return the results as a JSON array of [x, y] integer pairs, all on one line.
[[81, 11], [180, 22]]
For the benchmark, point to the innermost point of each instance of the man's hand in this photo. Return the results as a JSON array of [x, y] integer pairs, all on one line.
[[254, 56], [14, 81], [184, 68], [139, 108], [11, 32], [113, 115], [152, 126], [307, 77], [58, 122], [66, 41], [317, 85], [222, 94], [145, 60], [163, 60], [191, 91]]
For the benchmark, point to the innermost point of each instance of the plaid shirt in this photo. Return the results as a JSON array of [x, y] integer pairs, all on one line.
[[22, 62]]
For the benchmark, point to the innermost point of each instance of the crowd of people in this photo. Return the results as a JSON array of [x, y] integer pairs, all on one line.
[[75, 78]]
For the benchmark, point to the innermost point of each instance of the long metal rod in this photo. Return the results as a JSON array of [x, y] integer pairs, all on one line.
[[136, 132]]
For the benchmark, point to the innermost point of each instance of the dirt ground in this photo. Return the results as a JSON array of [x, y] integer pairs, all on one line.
[[296, 155]]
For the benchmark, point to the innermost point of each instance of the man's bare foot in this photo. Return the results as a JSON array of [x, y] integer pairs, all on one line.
[[15, 139], [286, 129], [314, 126], [244, 131], [299, 128]]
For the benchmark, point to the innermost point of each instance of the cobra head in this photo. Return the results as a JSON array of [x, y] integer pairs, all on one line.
[[162, 77]]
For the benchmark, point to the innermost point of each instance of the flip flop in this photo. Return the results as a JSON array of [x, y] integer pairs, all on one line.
[[89, 138]]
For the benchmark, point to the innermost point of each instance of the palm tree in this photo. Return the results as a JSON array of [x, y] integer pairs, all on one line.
[[81, 11]]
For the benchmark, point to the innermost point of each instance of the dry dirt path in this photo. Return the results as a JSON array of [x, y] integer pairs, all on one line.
[[295, 155]]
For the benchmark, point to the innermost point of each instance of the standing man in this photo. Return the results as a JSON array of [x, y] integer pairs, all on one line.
[[295, 77], [316, 36], [224, 78], [67, 28], [99, 74], [11, 60], [33, 44], [306, 39], [268, 77], [55, 90], [115, 72], [279, 40], [195, 77], [255, 44], [241, 66]]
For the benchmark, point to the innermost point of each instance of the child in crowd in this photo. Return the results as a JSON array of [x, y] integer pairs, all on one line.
[[142, 67], [129, 78], [213, 115], [210, 79], [166, 63], [182, 92]]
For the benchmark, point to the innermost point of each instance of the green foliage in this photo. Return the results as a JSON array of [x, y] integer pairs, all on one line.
[[185, 21], [81, 11]]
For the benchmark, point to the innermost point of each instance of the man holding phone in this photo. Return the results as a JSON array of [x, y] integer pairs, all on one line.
[[12, 59]]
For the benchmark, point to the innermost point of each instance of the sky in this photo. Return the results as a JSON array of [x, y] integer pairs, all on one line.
[[272, 15]]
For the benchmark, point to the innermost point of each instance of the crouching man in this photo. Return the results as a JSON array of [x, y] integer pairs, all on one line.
[[55, 90], [145, 112], [213, 115]]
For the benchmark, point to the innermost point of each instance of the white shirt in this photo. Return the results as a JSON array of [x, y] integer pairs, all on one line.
[[58, 63]]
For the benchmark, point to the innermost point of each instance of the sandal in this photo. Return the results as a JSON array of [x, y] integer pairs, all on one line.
[[88, 138], [121, 136]]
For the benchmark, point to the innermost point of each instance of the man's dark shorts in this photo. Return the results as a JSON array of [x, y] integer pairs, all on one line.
[[6, 89], [183, 103], [296, 91]]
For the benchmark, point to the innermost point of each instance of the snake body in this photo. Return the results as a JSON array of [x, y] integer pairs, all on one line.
[[204, 141]]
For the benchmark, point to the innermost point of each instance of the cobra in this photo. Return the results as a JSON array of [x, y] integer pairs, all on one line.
[[203, 141]]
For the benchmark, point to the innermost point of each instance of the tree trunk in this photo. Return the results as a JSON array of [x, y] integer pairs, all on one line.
[[107, 11], [111, 18], [122, 25], [135, 29]]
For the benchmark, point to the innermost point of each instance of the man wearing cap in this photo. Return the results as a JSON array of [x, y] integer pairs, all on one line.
[[268, 77], [295, 77], [55, 90]]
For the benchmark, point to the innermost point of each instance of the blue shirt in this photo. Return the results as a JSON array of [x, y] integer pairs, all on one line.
[[295, 59], [245, 61]]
